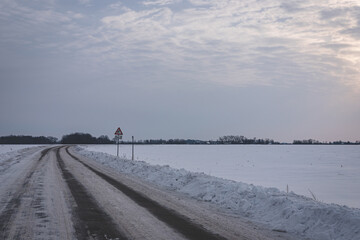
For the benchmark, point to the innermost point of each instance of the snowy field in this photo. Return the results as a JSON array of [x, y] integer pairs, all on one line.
[[6, 148], [8, 151], [173, 167], [277, 209], [331, 173]]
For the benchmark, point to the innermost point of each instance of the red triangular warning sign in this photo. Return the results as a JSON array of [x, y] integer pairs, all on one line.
[[118, 132]]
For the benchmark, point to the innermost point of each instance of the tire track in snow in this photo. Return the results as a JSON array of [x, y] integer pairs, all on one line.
[[175, 220], [89, 219], [12, 206]]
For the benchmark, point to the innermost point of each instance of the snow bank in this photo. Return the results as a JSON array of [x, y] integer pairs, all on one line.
[[11, 151], [6, 148], [324, 169], [11, 155], [281, 211]]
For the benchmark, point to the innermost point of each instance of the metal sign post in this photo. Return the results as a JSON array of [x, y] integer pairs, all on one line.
[[118, 136], [117, 146], [132, 148]]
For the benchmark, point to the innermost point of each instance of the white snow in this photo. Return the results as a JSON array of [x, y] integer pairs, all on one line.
[[13, 163], [6, 148], [10, 151], [332, 173], [279, 210]]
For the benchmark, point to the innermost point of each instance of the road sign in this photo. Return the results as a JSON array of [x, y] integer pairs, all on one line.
[[119, 132], [118, 136]]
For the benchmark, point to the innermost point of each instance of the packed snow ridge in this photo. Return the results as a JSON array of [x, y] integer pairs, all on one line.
[[279, 210], [8, 152]]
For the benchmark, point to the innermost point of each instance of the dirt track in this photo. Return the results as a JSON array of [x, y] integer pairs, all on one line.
[[54, 193]]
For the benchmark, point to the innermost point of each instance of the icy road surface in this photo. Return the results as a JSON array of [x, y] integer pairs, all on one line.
[[54, 193]]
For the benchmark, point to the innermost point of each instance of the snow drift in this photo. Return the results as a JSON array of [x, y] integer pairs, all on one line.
[[279, 210]]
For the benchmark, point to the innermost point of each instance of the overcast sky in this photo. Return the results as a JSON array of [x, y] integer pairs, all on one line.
[[280, 69]]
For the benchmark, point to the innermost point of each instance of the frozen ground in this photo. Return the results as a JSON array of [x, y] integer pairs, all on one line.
[[46, 193], [6, 148], [332, 173], [277, 209]]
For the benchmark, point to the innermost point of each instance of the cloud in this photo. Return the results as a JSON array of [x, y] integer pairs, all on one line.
[[293, 6], [202, 2], [160, 2], [84, 2], [240, 35], [116, 6], [307, 50], [274, 42]]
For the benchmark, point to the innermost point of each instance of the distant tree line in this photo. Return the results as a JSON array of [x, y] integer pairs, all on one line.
[[27, 140], [73, 138], [169, 141], [231, 139], [86, 138], [316, 142]]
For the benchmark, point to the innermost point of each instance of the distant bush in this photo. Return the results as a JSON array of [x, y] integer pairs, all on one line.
[[84, 138], [307, 141], [27, 140], [103, 139], [312, 141], [78, 138], [232, 139]]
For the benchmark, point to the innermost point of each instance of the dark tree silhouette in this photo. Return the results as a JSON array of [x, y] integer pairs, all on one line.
[[27, 140], [78, 138]]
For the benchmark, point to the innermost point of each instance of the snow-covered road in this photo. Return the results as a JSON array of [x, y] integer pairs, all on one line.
[[55, 193], [34, 199]]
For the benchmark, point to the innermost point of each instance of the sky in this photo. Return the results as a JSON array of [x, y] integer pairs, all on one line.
[[200, 69]]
